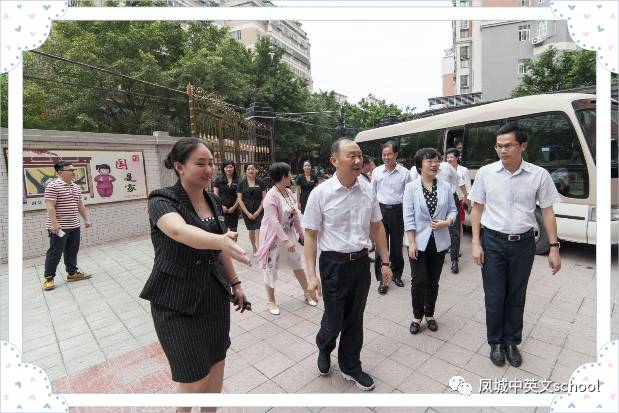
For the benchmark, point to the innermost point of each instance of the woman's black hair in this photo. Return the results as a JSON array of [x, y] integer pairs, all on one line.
[[103, 166], [424, 153], [308, 161], [181, 150], [278, 171], [247, 166], [226, 163]]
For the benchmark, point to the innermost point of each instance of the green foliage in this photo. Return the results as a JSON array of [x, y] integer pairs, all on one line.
[[554, 70], [65, 96]]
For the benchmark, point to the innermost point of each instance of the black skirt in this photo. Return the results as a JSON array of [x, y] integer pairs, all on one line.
[[194, 342], [253, 224], [232, 220]]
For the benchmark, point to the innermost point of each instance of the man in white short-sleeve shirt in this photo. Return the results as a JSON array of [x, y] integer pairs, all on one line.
[[505, 195], [340, 215], [388, 181]]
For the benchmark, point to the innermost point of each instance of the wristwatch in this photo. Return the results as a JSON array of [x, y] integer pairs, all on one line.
[[386, 264], [555, 244]]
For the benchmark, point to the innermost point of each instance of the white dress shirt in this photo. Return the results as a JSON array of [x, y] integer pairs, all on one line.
[[389, 185], [510, 199], [342, 216], [446, 173], [464, 175]]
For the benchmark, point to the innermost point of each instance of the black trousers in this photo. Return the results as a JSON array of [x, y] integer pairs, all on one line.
[[393, 221], [69, 245], [505, 273], [426, 272], [345, 287], [454, 234]]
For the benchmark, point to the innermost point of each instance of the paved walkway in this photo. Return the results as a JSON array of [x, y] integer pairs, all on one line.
[[98, 336]]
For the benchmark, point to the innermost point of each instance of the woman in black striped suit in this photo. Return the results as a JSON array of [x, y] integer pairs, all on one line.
[[189, 287]]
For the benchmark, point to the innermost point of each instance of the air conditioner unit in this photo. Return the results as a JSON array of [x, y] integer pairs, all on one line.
[[537, 40]]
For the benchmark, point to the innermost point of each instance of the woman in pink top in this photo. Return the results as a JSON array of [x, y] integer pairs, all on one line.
[[279, 232]]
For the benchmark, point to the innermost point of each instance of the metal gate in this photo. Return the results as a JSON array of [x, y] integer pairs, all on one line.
[[228, 133]]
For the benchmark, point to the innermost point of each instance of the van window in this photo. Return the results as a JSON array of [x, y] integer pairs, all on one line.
[[585, 112], [479, 141], [374, 148], [410, 144], [553, 145]]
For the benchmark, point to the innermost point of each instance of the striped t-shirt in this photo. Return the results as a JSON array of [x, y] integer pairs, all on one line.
[[68, 198]]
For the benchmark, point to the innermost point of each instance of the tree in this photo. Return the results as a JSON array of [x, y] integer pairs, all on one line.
[[554, 71]]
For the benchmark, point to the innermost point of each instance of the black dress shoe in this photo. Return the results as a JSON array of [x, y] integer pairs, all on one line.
[[398, 281], [513, 355], [454, 267], [497, 354], [414, 328], [324, 363], [432, 325], [382, 288]]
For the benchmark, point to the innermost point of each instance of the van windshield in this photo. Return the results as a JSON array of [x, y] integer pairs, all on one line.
[[585, 112]]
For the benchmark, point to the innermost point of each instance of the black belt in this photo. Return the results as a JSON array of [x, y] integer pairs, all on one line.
[[511, 237], [346, 256], [393, 206]]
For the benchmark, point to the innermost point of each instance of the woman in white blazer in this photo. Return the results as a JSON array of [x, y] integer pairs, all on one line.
[[429, 208]]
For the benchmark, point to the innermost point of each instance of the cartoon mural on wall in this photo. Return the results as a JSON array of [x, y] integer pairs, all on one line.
[[104, 176], [105, 181]]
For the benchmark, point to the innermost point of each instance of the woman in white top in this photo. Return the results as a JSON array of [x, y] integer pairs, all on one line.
[[279, 233]]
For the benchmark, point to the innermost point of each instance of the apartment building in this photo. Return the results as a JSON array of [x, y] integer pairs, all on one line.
[[289, 35], [488, 56]]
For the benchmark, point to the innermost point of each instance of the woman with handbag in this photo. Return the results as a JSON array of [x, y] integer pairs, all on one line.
[[429, 209], [189, 286], [281, 228]]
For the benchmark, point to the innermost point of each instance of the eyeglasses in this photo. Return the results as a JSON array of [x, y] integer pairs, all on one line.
[[508, 146]]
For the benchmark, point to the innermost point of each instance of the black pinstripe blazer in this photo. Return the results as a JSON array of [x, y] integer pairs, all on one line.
[[179, 276]]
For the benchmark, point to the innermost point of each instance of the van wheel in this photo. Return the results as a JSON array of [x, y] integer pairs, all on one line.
[[541, 238]]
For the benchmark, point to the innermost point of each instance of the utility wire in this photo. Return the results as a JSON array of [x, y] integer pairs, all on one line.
[[101, 88], [306, 123], [86, 65]]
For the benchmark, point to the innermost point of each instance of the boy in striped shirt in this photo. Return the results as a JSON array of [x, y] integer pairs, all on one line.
[[63, 200]]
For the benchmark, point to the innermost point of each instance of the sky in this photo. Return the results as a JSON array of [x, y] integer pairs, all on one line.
[[399, 62]]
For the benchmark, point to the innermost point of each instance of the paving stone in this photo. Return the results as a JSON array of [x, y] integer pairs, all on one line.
[[247, 380], [454, 355], [391, 372], [274, 364], [559, 331]]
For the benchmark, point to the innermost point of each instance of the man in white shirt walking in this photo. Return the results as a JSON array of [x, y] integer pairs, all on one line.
[[505, 195], [388, 181], [339, 217], [452, 156]]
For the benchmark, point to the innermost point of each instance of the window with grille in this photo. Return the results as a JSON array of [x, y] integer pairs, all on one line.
[[524, 33]]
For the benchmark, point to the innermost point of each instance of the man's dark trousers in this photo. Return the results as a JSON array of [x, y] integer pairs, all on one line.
[[505, 273], [69, 244], [393, 221], [454, 234], [345, 286]]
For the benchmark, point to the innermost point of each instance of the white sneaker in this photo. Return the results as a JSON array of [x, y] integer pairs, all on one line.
[[273, 308]]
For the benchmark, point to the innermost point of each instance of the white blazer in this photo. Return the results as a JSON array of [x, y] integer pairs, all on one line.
[[417, 217]]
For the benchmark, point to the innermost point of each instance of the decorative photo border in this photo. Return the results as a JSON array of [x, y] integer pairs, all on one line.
[[26, 25]]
